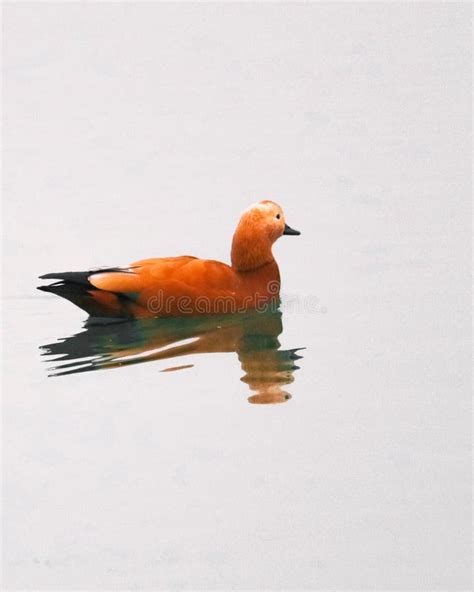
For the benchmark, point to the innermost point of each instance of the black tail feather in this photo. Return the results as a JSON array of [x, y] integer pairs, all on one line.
[[79, 294], [74, 277], [78, 277]]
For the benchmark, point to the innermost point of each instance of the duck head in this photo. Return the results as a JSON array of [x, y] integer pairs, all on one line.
[[259, 227]]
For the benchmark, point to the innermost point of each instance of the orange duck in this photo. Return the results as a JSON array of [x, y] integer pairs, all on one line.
[[186, 286]]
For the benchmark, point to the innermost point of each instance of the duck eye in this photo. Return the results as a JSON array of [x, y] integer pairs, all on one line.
[[278, 216]]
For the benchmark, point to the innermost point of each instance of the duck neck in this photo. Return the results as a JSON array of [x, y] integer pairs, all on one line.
[[249, 252]]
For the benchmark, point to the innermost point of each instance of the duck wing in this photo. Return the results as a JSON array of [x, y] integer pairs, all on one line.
[[170, 277]]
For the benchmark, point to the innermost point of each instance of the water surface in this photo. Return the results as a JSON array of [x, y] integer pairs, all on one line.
[[132, 458]]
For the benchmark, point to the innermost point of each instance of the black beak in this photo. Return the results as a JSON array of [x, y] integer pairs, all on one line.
[[292, 231]]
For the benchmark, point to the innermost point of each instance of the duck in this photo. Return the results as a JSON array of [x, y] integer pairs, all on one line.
[[186, 285]]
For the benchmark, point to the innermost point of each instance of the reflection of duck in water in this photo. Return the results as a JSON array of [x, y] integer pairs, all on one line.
[[253, 336]]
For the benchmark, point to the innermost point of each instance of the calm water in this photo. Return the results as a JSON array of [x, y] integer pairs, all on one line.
[[324, 446]]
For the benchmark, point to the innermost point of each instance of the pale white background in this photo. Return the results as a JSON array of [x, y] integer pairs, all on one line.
[[138, 129]]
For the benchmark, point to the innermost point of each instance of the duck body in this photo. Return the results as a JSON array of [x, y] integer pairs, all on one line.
[[184, 286]]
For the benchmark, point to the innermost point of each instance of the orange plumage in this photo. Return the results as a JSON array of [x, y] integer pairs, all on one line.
[[179, 286]]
